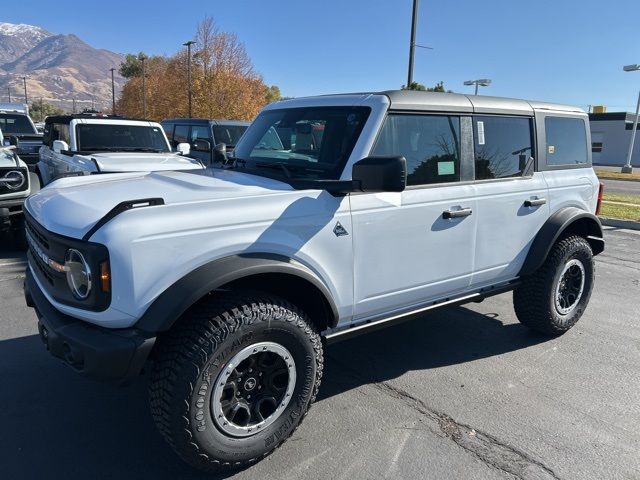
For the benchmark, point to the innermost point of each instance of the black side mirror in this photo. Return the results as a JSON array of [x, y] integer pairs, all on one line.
[[220, 153], [380, 174], [201, 145]]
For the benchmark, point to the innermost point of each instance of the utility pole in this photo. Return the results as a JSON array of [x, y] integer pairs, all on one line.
[[627, 166], [143, 57], [188, 45], [26, 99], [113, 93], [9, 92], [74, 105], [412, 44]]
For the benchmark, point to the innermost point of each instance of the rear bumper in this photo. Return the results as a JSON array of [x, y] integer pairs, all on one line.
[[99, 353]]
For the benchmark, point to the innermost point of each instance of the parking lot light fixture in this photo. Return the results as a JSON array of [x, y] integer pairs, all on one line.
[[483, 82], [188, 45], [627, 166]]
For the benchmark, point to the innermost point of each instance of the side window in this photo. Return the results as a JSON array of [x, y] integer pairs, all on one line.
[[200, 132], [503, 146], [566, 141], [60, 131], [430, 143], [46, 135], [168, 131], [180, 135]]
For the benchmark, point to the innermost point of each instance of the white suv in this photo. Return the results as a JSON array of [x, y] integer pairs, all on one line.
[[87, 144], [336, 214]]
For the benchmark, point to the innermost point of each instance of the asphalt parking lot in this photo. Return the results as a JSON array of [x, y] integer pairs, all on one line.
[[463, 393]]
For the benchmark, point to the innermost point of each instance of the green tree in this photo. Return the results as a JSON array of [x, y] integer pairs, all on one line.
[[39, 110], [439, 87], [273, 94], [132, 65]]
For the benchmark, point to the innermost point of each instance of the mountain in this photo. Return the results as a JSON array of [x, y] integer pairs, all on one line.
[[59, 68], [16, 40]]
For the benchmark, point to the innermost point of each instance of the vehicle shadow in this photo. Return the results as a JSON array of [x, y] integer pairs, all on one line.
[[56, 424], [8, 246]]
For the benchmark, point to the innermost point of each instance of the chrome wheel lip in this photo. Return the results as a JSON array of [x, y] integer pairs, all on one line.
[[219, 418], [560, 304]]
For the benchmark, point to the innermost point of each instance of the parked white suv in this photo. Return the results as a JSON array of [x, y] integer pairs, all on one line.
[[87, 144], [336, 214], [16, 184]]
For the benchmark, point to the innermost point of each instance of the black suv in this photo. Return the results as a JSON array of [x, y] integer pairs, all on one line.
[[19, 130], [203, 135]]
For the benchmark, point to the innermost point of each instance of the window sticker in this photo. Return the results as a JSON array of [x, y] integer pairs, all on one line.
[[551, 149], [446, 168], [480, 133]]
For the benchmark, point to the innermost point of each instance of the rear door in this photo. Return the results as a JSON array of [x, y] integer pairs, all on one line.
[[512, 197], [417, 245]]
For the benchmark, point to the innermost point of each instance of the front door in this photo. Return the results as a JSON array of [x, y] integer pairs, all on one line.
[[418, 245]]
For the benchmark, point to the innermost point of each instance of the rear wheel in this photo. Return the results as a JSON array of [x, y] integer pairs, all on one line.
[[234, 379], [554, 298]]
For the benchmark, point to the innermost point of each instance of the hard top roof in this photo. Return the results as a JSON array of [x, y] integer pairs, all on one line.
[[200, 121], [87, 116]]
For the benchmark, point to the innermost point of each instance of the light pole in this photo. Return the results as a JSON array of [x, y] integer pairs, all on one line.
[[412, 43], [483, 82], [142, 58], [113, 93], [188, 45], [26, 99], [627, 167], [9, 92]]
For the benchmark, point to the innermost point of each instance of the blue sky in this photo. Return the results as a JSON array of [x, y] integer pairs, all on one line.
[[568, 51]]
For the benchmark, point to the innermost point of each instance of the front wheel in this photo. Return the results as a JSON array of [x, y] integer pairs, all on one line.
[[234, 379], [554, 298]]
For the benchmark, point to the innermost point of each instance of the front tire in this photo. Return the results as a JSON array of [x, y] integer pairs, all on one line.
[[554, 298], [234, 378]]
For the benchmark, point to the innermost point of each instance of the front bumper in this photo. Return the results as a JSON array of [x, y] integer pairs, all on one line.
[[99, 353]]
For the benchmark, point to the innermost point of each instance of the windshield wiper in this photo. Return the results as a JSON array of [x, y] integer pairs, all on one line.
[[277, 165]]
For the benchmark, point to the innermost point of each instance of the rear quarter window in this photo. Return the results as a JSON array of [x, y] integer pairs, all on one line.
[[566, 141]]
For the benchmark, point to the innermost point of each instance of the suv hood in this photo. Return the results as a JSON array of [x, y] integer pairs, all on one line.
[[71, 206], [142, 162]]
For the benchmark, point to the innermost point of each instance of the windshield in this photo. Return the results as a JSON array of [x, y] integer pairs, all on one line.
[[120, 138], [15, 124], [309, 142], [229, 134]]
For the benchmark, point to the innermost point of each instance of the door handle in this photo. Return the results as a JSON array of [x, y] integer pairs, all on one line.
[[535, 202], [463, 212]]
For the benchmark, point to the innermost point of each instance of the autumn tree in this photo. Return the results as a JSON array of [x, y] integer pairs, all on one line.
[[40, 110], [224, 82]]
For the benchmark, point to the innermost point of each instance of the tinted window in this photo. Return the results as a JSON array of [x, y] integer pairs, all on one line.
[[200, 132], [15, 124], [114, 137], [180, 135], [289, 137], [229, 134], [503, 146], [168, 130], [566, 140], [431, 145], [60, 131]]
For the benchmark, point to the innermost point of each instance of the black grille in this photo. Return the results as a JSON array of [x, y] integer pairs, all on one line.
[[36, 236]]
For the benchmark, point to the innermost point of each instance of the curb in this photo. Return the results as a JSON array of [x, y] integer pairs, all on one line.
[[614, 222]]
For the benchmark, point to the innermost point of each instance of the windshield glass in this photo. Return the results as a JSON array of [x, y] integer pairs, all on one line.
[[310, 142], [15, 124], [229, 134], [123, 138]]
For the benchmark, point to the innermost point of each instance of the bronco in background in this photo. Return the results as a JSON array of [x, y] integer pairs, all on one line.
[[20, 131]]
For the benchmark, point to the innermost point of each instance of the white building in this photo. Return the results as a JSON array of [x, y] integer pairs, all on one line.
[[610, 137]]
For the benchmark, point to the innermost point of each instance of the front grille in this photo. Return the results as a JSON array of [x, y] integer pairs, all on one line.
[[36, 236]]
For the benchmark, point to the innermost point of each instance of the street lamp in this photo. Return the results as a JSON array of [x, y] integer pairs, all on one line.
[[113, 93], [188, 45], [26, 99], [412, 43], [483, 82], [142, 58], [627, 167]]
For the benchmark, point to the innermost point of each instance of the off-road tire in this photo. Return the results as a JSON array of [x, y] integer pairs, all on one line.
[[534, 299], [195, 351]]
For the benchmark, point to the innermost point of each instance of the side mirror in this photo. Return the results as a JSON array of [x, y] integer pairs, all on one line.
[[220, 153], [201, 145], [60, 146], [183, 148], [380, 174]]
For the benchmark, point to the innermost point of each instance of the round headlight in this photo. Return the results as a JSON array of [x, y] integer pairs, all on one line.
[[78, 274]]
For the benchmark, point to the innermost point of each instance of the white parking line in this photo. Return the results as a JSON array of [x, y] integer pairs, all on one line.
[[21, 262]]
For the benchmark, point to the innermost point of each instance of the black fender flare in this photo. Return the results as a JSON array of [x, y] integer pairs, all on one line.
[[566, 219], [185, 292]]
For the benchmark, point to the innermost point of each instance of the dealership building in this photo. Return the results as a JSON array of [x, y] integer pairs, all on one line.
[[610, 137]]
